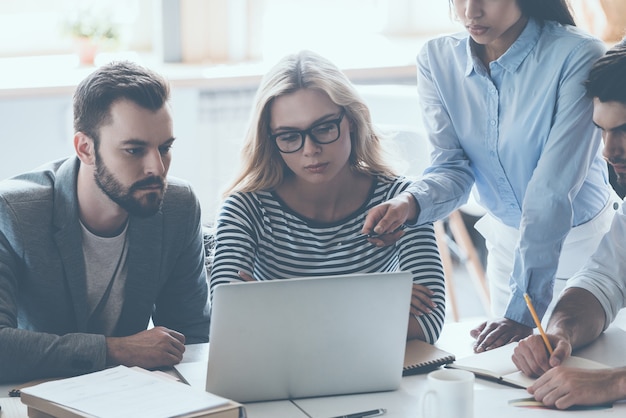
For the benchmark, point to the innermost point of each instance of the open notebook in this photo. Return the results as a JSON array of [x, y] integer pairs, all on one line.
[[497, 365]]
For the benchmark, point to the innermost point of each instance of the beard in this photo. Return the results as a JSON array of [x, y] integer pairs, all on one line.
[[145, 206]]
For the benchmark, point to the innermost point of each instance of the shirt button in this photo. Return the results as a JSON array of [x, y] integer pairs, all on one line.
[[492, 122]]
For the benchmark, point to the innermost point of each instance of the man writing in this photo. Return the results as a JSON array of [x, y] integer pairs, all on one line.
[[594, 296], [94, 246]]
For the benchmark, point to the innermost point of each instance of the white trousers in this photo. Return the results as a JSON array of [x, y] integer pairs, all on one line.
[[501, 241]]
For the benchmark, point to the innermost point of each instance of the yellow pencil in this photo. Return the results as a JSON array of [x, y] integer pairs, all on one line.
[[531, 308]]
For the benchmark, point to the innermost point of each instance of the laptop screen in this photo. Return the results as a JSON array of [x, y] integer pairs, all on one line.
[[303, 337]]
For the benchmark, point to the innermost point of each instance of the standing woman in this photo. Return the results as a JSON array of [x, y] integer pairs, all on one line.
[[505, 109], [312, 168]]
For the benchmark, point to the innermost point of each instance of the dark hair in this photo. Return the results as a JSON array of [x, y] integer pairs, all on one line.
[[542, 10], [606, 79], [112, 82]]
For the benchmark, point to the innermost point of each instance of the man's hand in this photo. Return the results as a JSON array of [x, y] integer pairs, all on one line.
[[156, 347], [563, 387], [494, 334], [531, 354], [387, 219]]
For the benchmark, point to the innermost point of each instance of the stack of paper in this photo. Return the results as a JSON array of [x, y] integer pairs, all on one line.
[[124, 392]]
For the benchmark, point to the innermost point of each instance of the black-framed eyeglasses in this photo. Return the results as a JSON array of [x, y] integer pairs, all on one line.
[[321, 133]]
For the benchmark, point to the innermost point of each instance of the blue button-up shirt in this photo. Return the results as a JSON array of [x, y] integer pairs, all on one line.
[[522, 133]]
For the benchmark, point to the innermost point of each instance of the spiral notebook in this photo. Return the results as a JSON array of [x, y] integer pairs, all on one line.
[[421, 357]]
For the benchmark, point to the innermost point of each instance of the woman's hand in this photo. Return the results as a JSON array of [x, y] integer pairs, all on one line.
[[421, 302], [498, 332], [386, 219], [246, 277]]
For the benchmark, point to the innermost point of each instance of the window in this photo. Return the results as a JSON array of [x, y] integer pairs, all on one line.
[[36, 27], [229, 30], [242, 30]]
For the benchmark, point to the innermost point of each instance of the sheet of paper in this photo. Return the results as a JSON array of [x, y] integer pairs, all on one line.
[[12, 408], [193, 368], [498, 363], [498, 403], [196, 353], [123, 392]]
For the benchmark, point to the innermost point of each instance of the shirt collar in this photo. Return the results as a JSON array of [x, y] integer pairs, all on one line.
[[514, 56]]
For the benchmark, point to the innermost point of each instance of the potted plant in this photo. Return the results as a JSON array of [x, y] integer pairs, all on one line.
[[90, 33]]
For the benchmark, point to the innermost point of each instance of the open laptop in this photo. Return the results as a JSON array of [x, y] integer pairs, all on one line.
[[305, 337]]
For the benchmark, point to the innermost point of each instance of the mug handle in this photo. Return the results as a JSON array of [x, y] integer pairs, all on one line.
[[429, 399]]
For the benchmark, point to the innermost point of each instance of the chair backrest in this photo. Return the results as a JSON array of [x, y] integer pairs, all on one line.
[[208, 237]]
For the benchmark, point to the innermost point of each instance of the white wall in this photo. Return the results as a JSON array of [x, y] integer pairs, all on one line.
[[33, 130]]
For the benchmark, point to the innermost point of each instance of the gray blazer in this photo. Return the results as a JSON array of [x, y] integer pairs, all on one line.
[[44, 319]]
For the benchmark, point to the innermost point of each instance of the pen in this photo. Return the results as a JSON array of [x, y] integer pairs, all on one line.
[[373, 234], [531, 308], [364, 414], [359, 237]]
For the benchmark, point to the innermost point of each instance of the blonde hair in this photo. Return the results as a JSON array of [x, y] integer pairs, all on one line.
[[262, 166]]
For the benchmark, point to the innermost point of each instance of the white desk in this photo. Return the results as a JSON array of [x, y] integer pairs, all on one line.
[[193, 369], [491, 399]]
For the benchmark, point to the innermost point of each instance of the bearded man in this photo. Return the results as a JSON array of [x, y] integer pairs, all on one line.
[[96, 246]]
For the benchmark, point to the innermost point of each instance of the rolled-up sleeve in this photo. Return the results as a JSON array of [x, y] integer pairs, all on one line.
[[604, 274]]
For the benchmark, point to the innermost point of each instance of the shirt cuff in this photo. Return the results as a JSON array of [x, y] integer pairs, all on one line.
[[518, 311], [418, 210]]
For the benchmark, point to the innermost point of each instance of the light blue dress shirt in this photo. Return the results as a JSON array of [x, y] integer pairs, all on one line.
[[523, 135]]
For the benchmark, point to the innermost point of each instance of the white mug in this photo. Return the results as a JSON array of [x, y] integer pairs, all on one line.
[[450, 394]]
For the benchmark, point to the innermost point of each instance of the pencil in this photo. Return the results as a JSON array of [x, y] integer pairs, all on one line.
[[531, 308]]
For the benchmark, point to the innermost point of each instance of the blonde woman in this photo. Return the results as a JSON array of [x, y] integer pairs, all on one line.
[[312, 168]]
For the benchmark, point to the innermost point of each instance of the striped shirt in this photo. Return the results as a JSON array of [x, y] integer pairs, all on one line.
[[258, 234]]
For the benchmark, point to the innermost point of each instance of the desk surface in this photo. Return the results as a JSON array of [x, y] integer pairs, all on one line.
[[491, 399]]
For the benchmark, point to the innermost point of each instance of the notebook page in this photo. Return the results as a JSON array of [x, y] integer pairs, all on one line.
[[123, 392]]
